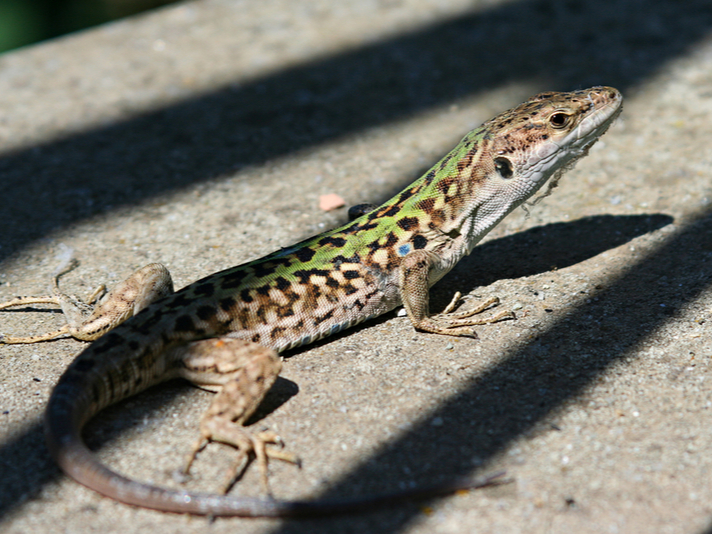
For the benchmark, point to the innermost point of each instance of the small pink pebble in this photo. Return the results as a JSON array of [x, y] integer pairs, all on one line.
[[331, 202]]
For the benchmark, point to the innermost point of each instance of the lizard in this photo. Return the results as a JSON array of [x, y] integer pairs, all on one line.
[[226, 330]]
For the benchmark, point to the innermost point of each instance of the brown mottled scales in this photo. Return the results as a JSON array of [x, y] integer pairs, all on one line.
[[225, 330]]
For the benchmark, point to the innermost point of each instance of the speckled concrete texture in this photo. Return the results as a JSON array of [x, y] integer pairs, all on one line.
[[201, 135]]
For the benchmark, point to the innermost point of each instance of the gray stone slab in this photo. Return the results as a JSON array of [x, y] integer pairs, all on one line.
[[201, 135]]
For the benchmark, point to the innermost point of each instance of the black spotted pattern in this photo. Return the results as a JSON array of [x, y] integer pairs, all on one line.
[[408, 223], [337, 242], [227, 303], [282, 284], [108, 342], [206, 289], [232, 279], [419, 242], [305, 254], [184, 323], [206, 313], [265, 268]]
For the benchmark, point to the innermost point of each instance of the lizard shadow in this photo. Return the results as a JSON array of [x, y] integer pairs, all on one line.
[[127, 414], [546, 248], [282, 390]]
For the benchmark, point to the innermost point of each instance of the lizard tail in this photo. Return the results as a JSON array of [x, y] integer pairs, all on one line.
[[79, 463], [70, 407]]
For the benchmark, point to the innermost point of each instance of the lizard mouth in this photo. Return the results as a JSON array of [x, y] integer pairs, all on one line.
[[609, 103]]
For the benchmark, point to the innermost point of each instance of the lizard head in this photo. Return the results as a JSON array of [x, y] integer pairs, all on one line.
[[545, 136], [518, 151]]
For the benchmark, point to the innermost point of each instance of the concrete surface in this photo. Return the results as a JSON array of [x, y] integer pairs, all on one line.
[[201, 136]]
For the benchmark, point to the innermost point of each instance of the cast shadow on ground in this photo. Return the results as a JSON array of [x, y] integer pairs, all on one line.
[[565, 44], [27, 451], [553, 44]]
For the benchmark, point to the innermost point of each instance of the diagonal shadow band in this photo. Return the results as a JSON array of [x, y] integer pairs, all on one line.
[[565, 44], [25, 466], [532, 383], [599, 42]]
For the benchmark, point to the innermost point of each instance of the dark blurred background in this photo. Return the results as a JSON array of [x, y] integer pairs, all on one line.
[[24, 22]]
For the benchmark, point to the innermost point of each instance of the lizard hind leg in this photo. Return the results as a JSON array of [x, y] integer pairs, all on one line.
[[245, 371]]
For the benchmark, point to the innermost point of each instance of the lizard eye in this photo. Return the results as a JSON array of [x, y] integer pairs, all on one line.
[[559, 120], [504, 167]]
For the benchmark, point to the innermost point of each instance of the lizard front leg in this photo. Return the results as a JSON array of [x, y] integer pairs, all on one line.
[[245, 371], [90, 320], [415, 294]]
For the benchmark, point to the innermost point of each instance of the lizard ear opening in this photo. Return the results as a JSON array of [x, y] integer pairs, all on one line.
[[504, 167]]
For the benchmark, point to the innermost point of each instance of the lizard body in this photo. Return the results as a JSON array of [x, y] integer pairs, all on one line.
[[226, 329]]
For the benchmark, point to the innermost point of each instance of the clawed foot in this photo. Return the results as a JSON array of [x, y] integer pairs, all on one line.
[[89, 319], [414, 286], [80, 308], [247, 444], [457, 323]]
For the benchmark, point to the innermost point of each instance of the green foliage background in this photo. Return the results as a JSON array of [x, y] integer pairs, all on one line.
[[23, 22]]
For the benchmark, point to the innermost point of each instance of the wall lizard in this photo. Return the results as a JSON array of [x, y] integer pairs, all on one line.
[[227, 329]]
